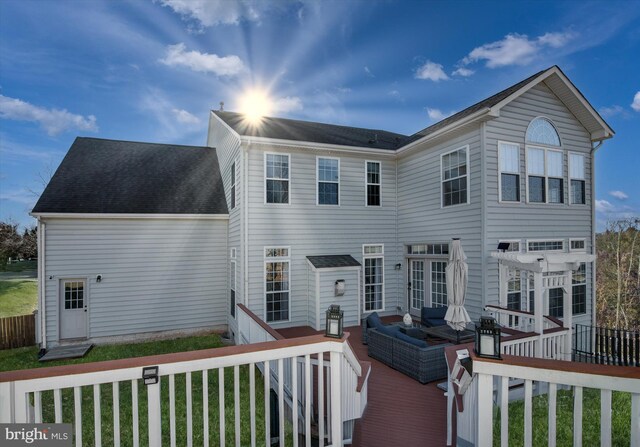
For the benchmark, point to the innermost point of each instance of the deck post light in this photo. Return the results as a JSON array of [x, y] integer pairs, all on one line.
[[487, 343], [334, 321]]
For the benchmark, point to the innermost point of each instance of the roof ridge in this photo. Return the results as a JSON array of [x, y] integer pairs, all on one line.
[[143, 142]]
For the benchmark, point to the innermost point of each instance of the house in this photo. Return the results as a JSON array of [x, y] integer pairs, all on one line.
[[290, 216]]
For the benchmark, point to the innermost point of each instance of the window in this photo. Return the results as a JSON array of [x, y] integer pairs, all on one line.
[[438, 283], [545, 169], [541, 131], [509, 172], [577, 179], [453, 167], [328, 181], [373, 256], [277, 285], [556, 245], [232, 288], [73, 295], [428, 249], [276, 178], [577, 244], [233, 185], [373, 183], [556, 302], [579, 290]]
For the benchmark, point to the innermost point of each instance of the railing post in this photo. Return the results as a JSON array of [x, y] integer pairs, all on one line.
[[485, 410], [155, 421], [538, 311], [568, 313], [336, 399], [7, 405]]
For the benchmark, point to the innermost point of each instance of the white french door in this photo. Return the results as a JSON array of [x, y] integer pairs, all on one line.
[[417, 285]]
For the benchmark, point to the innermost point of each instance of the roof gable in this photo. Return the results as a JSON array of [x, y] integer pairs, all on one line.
[[100, 176]]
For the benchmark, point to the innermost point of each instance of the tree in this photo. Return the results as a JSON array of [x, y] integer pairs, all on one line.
[[618, 275], [10, 242], [29, 244]]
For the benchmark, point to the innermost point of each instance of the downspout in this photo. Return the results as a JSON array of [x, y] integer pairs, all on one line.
[[483, 217], [594, 148], [42, 313], [245, 217], [399, 258]]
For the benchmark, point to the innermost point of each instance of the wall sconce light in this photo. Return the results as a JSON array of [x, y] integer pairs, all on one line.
[[339, 287], [99, 278], [334, 321], [398, 266]]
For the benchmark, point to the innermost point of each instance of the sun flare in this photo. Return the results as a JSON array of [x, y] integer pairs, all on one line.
[[255, 104]]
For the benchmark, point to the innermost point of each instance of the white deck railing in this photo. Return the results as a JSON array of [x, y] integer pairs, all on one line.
[[21, 393], [546, 376]]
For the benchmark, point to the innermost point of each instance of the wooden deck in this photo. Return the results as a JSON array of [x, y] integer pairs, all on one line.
[[400, 411]]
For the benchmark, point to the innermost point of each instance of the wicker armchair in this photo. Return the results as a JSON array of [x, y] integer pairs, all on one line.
[[423, 364]]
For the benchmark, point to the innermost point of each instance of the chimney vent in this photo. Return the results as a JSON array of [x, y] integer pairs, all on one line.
[[222, 106]]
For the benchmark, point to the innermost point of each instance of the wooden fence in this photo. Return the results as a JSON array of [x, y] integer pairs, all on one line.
[[16, 332]]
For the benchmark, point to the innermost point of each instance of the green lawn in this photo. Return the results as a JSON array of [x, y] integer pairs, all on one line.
[[26, 358], [620, 419], [18, 297], [20, 266]]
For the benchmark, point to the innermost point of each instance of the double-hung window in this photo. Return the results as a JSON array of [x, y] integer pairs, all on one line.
[[545, 169], [373, 256], [276, 178], [509, 172], [277, 285], [579, 290], [373, 183], [577, 179], [233, 185], [232, 283], [454, 167], [328, 174]]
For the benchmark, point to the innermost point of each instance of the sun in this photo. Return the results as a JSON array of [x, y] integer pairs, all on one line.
[[255, 104]]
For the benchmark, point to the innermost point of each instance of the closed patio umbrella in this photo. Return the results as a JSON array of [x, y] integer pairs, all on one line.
[[457, 273]]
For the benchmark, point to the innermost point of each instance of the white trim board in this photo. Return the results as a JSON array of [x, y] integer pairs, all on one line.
[[131, 216]]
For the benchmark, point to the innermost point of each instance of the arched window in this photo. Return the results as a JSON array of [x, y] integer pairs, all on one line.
[[541, 131]]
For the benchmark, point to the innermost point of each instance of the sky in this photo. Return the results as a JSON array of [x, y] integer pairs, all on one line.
[[151, 70]]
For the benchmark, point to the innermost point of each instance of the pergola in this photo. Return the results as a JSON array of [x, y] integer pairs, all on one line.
[[550, 271]]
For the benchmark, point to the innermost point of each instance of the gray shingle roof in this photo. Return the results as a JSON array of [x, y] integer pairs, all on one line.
[[287, 129], [333, 261], [123, 177]]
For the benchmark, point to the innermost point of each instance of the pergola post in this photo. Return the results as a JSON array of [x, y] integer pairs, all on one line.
[[538, 294], [503, 277], [568, 313]]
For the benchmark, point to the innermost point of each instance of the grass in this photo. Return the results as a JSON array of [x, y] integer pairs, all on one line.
[[620, 419], [23, 358], [20, 266], [18, 297]]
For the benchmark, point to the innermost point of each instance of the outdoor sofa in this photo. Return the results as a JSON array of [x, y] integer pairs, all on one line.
[[429, 316]]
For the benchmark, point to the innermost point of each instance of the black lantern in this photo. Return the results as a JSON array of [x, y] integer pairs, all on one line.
[[488, 339], [334, 321]]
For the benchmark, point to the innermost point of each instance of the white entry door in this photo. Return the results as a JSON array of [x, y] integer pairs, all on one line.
[[73, 309], [416, 285]]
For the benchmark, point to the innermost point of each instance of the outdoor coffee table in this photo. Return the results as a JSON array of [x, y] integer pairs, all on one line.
[[445, 332]]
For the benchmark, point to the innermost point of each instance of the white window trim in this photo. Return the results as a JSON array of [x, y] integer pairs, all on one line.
[[584, 164], [366, 183], [578, 250], [268, 259], [546, 176], [232, 253], [235, 286], [468, 176], [585, 283], [325, 181], [264, 184], [373, 256], [519, 173], [564, 245]]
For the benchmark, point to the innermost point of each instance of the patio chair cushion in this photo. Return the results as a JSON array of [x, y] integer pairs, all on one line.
[[413, 341], [433, 316], [374, 321], [391, 331]]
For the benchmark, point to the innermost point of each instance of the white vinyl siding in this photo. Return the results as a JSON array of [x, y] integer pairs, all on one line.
[[509, 163], [276, 178], [328, 181], [373, 257], [454, 168]]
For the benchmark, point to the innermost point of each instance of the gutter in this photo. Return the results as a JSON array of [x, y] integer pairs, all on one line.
[[317, 146], [594, 148]]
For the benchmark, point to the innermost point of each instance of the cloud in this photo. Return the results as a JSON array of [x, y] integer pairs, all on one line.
[[619, 195], [203, 62], [608, 112], [462, 71], [516, 49], [287, 104], [635, 105], [368, 72], [53, 121], [21, 196], [437, 114], [184, 117], [604, 206], [431, 71], [215, 12]]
